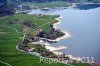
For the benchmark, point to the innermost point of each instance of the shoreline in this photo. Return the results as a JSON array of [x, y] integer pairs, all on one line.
[[48, 46], [55, 25], [52, 49], [55, 50], [67, 35]]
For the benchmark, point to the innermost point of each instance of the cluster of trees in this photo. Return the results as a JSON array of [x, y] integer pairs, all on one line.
[[6, 8], [43, 51], [52, 34], [25, 7], [24, 45]]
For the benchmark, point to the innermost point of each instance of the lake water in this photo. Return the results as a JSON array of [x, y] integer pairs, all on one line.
[[84, 27]]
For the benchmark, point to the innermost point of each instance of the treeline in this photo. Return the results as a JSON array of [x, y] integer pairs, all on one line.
[[6, 9], [52, 34]]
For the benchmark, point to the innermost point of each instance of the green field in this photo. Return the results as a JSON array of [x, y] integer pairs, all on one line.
[[48, 4], [12, 34]]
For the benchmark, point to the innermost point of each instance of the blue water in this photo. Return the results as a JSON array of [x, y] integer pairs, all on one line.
[[84, 27]]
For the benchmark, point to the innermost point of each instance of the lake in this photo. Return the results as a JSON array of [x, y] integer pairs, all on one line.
[[84, 27]]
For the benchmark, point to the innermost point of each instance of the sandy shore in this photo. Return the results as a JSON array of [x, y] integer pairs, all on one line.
[[51, 48], [55, 25], [67, 35], [48, 46]]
